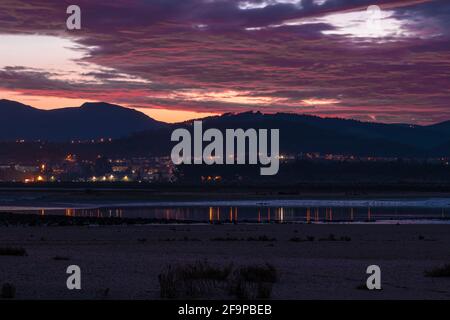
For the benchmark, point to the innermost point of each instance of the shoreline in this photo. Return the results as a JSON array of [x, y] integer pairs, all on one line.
[[49, 199], [123, 262], [59, 220], [293, 203]]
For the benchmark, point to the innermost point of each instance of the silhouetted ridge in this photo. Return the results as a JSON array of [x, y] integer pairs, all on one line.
[[92, 120], [298, 133]]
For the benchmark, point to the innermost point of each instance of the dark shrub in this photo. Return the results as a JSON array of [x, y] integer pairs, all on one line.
[[8, 291], [439, 272], [192, 280], [9, 251], [202, 280]]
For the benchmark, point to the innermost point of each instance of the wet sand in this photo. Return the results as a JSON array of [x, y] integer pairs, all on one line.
[[123, 262]]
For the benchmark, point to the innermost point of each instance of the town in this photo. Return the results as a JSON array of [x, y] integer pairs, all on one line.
[[161, 169], [102, 169]]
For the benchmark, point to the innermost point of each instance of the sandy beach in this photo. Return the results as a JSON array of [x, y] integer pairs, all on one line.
[[123, 262]]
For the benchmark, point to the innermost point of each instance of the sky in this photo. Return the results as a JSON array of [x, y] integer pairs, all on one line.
[[384, 61]]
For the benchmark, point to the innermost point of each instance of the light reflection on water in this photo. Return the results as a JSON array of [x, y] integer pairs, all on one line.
[[258, 214]]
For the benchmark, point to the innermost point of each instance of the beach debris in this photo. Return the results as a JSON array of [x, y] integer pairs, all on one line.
[[8, 291]]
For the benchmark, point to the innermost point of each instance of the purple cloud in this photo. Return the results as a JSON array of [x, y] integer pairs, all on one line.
[[231, 56]]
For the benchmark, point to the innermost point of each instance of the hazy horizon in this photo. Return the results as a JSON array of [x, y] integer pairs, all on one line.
[[221, 114]]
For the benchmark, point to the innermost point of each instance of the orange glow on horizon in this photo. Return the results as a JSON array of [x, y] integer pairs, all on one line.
[[51, 103], [41, 102], [173, 116], [319, 102]]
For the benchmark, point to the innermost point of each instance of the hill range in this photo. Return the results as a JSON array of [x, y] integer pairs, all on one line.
[[135, 133]]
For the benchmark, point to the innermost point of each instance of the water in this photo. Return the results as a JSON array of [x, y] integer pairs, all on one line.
[[257, 214]]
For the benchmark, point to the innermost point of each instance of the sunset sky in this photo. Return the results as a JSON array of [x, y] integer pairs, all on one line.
[[183, 59]]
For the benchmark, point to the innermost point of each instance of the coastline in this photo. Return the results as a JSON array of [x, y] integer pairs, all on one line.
[[121, 258], [381, 203], [125, 261], [92, 196]]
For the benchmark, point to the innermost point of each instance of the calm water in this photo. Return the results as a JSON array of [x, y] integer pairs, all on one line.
[[227, 214]]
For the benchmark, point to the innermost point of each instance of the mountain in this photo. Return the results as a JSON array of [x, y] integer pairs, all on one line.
[[138, 135], [89, 121], [443, 127], [304, 133]]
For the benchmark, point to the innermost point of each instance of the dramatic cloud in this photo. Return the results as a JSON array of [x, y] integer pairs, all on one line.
[[324, 57]]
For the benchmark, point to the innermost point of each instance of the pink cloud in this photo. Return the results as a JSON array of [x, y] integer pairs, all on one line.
[[195, 46]]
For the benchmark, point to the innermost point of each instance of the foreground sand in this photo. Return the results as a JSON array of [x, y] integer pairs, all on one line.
[[125, 261]]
